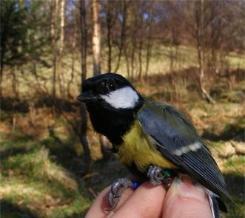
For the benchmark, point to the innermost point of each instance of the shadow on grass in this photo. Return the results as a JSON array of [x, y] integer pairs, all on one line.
[[13, 151], [235, 184], [17, 144], [64, 154], [9, 210], [235, 131], [236, 187], [13, 104]]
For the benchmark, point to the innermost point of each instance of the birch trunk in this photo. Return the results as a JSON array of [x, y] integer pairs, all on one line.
[[96, 37]]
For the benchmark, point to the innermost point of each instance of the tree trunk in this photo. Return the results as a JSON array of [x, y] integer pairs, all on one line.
[[148, 47], [83, 112], [1, 78], [62, 26], [2, 52], [54, 46], [60, 49], [134, 26], [132, 57], [171, 58], [70, 82], [140, 57], [123, 35], [3, 38], [127, 61], [96, 56], [109, 24], [200, 49], [14, 82], [96, 37], [54, 75], [83, 40]]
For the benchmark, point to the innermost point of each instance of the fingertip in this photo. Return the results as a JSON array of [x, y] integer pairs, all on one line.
[[146, 201], [184, 199]]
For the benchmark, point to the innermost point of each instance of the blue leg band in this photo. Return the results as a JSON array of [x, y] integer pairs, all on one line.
[[135, 184]]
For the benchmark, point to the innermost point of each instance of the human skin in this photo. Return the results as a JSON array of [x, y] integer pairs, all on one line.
[[183, 199]]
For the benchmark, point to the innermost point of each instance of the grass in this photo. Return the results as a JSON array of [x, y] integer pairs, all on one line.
[[235, 165], [33, 182], [41, 199]]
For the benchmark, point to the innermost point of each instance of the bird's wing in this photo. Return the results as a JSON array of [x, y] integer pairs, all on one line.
[[177, 140]]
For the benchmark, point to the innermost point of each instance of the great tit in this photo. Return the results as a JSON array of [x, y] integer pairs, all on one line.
[[152, 139]]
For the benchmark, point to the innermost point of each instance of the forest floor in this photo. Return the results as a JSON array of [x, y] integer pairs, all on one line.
[[41, 165]]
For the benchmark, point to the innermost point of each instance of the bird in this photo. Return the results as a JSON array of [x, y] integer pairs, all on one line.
[[154, 140]]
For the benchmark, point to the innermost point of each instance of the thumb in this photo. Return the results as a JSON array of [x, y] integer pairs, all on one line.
[[184, 199]]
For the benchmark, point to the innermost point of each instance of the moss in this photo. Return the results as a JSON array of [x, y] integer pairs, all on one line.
[[235, 164]]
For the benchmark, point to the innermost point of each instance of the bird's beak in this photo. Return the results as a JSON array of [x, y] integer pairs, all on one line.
[[86, 97]]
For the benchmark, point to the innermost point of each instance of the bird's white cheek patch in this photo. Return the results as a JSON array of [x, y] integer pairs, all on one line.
[[125, 98], [192, 147]]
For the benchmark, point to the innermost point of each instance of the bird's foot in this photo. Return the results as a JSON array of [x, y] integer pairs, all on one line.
[[116, 190], [159, 176]]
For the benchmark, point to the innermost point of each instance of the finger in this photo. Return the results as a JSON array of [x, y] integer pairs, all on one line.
[[100, 206], [186, 200], [145, 202], [124, 197]]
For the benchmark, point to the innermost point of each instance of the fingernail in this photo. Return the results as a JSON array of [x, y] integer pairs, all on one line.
[[188, 190], [110, 214], [175, 186]]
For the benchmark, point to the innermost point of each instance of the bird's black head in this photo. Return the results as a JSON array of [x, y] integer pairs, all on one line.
[[112, 102], [111, 91]]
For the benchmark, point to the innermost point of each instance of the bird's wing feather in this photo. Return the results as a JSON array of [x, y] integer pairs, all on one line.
[[178, 141]]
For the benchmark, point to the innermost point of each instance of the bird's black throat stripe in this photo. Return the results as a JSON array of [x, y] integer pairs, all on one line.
[[112, 124]]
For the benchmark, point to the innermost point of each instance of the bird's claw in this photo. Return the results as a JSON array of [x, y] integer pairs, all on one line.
[[159, 176], [116, 191], [154, 173]]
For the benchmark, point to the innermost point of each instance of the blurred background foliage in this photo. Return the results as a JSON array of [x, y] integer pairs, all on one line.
[[187, 53]]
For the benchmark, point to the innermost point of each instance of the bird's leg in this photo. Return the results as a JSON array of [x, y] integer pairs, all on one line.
[[159, 176], [116, 190]]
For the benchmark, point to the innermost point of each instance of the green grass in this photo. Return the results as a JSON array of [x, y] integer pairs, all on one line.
[[35, 184], [42, 199], [235, 165]]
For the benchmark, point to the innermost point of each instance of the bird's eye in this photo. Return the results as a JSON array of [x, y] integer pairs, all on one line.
[[105, 86], [111, 86]]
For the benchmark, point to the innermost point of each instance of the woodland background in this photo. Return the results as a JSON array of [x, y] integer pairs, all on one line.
[[189, 53]]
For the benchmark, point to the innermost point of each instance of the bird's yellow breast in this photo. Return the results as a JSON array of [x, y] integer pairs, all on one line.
[[137, 148]]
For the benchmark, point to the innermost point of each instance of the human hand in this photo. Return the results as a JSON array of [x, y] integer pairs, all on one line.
[[182, 199]]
